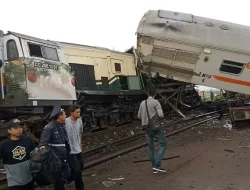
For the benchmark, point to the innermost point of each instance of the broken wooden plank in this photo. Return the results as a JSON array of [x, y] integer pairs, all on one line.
[[147, 160]]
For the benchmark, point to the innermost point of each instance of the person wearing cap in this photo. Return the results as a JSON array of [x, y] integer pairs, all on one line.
[[16, 152], [54, 135]]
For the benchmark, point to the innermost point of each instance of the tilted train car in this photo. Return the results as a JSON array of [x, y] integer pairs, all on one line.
[[196, 50]]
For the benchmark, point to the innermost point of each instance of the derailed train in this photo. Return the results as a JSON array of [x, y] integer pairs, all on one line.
[[197, 50], [37, 74], [174, 51]]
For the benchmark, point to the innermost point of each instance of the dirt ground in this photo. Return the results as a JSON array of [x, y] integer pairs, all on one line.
[[211, 158]]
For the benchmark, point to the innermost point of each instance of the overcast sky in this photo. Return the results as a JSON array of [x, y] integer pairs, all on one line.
[[106, 23]]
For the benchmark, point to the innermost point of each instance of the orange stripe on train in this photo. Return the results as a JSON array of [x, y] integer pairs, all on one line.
[[234, 81]]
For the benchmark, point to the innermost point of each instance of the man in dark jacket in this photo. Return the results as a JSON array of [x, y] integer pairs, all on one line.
[[55, 136]]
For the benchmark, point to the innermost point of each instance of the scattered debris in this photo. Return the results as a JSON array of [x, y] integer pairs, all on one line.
[[117, 179], [92, 173], [108, 183], [228, 125], [147, 160], [227, 150], [248, 146], [224, 139]]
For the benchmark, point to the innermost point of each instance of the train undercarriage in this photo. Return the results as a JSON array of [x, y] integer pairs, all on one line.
[[109, 110]]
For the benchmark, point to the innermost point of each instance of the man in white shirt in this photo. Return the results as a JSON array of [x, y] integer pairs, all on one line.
[[74, 128]]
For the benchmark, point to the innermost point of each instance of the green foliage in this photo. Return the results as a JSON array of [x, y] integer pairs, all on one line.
[[15, 79]]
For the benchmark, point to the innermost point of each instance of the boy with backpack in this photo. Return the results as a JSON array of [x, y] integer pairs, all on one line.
[[16, 153], [150, 113]]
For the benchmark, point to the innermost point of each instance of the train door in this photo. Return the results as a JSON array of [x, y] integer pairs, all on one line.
[[102, 72]]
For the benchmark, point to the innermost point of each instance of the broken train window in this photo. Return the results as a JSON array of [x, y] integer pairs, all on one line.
[[231, 67], [43, 52]]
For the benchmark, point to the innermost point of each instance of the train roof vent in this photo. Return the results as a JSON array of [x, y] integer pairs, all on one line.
[[209, 23], [224, 27], [176, 16]]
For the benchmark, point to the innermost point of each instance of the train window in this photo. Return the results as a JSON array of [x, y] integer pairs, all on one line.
[[43, 51], [12, 52], [35, 50], [50, 53], [118, 67], [231, 67]]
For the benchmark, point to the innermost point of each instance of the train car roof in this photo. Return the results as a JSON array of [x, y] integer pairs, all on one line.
[[23, 36], [93, 47], [57, 43], [197, 30]]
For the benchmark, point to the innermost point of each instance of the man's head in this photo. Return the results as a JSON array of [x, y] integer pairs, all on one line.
[[152, 91], [75, 111], [58, 114], [15, 128]]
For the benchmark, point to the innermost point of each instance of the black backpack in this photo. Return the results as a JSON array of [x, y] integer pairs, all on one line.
[[43, 165]]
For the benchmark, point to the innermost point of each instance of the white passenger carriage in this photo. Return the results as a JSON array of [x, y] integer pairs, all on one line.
[[196, 50]]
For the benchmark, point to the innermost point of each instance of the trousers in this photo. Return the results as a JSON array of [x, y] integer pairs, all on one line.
[[29, 186], [160, 137], [77, 164], [61, 177]]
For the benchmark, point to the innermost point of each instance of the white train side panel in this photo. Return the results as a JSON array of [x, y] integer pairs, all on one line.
[[195, 50]]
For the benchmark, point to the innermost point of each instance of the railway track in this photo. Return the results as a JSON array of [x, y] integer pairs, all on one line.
[[131, 138], [188, 123]]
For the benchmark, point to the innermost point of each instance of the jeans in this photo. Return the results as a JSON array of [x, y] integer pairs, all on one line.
[[76, 165], [160, 137]]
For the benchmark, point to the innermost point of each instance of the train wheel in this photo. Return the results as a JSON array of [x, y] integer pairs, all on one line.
[[127, 117], [103, 123], [115, 119], [135, 115], [93, 123]]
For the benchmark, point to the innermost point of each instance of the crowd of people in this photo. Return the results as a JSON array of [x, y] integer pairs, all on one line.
[[64, 136]]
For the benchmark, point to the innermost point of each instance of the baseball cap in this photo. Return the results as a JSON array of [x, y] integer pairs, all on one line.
[[13, 123]]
